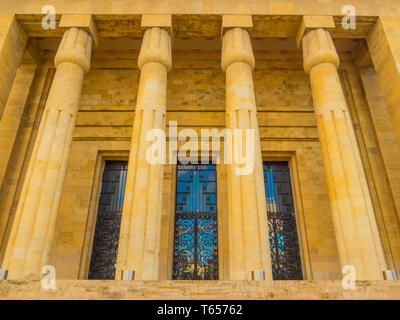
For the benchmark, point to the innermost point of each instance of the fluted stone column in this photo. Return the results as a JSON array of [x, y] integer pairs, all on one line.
[[248, 239], [139, 243], [356, 231], [34, 226]]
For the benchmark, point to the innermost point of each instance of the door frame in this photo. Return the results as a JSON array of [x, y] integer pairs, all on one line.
[[290, 157], [86, 252]]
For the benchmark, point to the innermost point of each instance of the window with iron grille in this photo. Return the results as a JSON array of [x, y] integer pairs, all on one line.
[[108, 222], [195, 238], [283, 239]]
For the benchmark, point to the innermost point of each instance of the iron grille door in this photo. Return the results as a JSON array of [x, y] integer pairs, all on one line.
[[283, 240], [196, 240], [106, 235]]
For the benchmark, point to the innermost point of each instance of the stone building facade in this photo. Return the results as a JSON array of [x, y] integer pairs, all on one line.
[[77, 193]]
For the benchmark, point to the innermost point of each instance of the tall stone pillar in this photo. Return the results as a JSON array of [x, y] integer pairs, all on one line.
[[10, 124], [357, 236], [384, 47], [139, 243], [12, 44], [248, 239], [34, 225], [13, 114]]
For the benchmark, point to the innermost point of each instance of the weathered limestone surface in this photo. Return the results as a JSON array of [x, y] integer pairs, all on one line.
[[248, 240], [12, 46], [200, 290], [299, 7], [22, 149], [357, 235], [33, 229], [384, 46], [10, 125], [386, 181], [139, 243], [12, 115], [196, 99]]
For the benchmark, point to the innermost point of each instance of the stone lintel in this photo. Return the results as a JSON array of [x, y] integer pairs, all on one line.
[[163, 21], [81, 21], [313, 22], [236, 21]]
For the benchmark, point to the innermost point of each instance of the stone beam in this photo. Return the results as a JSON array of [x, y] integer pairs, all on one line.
[[163, 21], [84, 22], [313, 22], [236, 21], [12, 46], [266, 7]]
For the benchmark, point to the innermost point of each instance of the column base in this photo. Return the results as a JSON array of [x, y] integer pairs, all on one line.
[[390, 275], [3, 274], [128, 274], [258, 275]]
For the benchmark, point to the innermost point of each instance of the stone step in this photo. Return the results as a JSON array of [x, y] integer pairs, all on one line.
[[199, 290]]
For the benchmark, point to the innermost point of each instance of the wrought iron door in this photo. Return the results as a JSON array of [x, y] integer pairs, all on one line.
[[196, 240], [283, 239], [108, 222]]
